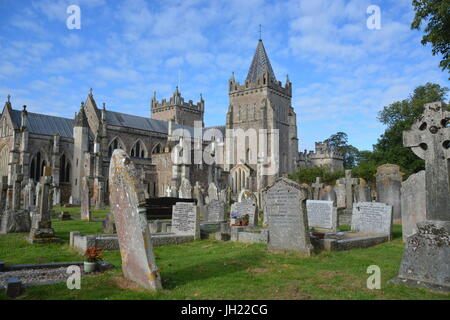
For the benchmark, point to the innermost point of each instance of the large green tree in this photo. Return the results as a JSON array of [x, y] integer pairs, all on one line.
[[436, 13], [398, 117], [339, 142]]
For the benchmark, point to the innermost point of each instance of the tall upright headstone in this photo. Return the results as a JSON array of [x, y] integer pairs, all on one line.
[[86, 213], [317, 186], [213, 193], [372, 217], [41, 225], [362, 191], [389, 183], [127, 201], [287, 217], [348, 182], [426, 258], [414, 210], [340, 194], [185, 191], [199, 196], [216, 211], [328, 194]]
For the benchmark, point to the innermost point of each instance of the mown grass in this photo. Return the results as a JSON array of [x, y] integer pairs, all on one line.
[[210, 269]]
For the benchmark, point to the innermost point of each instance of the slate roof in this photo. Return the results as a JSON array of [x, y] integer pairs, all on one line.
[[260, 63], [45, 124], [136, 122]]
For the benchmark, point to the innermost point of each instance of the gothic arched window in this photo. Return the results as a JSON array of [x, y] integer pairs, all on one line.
[[37, 166], [138, 150], [64, 167], [115, 144], [157, 149]]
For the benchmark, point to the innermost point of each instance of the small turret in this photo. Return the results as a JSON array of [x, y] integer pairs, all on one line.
[[80, 119]]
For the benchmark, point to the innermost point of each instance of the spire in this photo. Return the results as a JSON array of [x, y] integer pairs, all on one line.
[[260, 64]]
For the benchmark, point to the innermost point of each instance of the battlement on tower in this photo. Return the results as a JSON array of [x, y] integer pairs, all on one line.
[[262, 82], [177, 109]]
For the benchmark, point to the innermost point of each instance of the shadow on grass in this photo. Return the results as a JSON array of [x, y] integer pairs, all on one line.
[[212, 268]]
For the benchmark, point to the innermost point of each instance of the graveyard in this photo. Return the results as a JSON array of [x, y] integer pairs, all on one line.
[[140, 192], [209, 269]]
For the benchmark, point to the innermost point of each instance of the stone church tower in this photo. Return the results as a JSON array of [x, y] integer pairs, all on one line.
[[177, 110], [261, 102]]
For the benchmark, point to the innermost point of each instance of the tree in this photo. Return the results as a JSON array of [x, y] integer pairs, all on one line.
[[437, 30], [339, 142], [398, 117]]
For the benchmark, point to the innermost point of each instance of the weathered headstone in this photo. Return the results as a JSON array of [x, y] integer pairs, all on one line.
[[426, 258], [349, 182], [212, 192], [185, 219], [86, 213], [216, 211], [316, 188], [328, 194], [362, 191], [287, 217], [321, 214], [340, 194], [389, 182], [185, 191], [41, 225], [29, 194], [127, 200], [414, 209], [198, 195], [100, 200], [241, 209], [372, 217]]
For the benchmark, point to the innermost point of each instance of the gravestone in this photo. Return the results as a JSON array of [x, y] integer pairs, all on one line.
[[426, 258], [127, 200], [349, 182], [372, 217], [389, 182], [212, 192], [241, 209], [41, 225], [287, 217], [86, 213], [17, 189], [185, 191], [362, 191], [100, 201], [413, 194], [3, 191], [198, 195], [316, 188], [328, 194], [321, 214], [216, 211], [185, 219], [340, 194], [29, 194]]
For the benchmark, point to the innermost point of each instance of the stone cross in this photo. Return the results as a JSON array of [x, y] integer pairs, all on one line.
[[317, 186], [127, 201], [349, 182], [429, 139]]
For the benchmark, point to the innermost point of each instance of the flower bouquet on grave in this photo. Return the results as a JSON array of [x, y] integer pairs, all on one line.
[[93, 256], [234, 218]]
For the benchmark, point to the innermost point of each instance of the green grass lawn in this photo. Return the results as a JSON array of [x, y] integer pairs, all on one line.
[[210, 269]]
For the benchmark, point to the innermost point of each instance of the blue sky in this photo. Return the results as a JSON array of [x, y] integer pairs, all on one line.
[[342, 72]]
